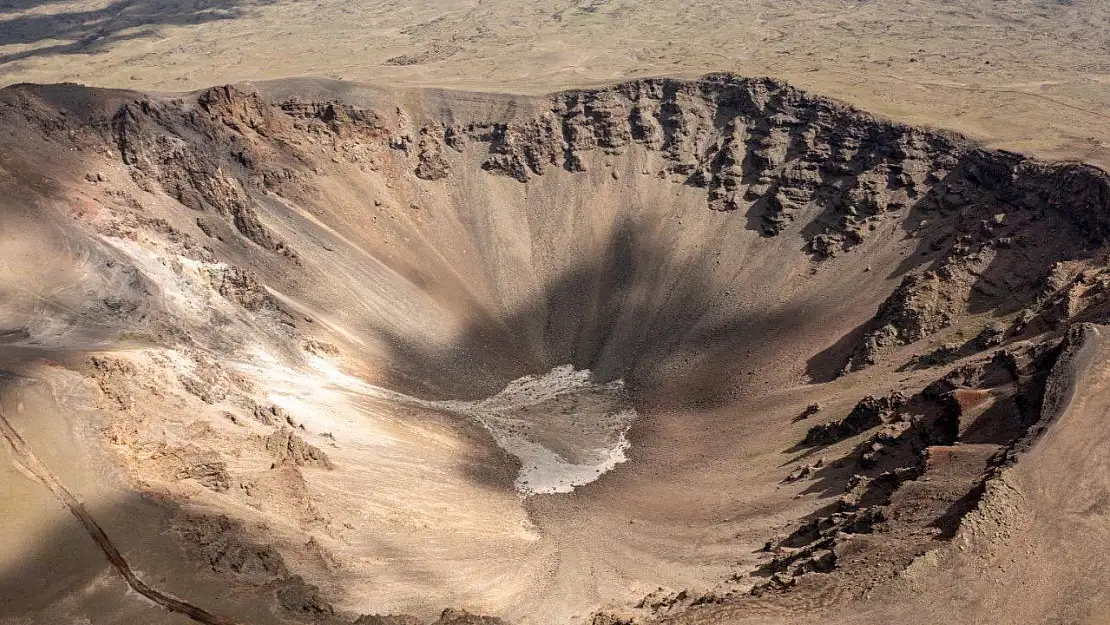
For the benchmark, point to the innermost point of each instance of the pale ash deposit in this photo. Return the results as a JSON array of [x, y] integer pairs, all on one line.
[[565, 428]]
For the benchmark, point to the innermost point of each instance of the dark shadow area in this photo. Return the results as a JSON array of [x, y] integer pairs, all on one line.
[[949, 522], [624, 314], [827, 365], [1000, 424], [16, 6], [90, 32], [64, 577]]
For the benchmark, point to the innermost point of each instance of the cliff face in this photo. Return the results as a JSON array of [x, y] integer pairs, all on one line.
[[310, 263], [757, 145]]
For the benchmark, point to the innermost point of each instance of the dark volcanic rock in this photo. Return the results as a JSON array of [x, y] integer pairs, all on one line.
[[868, 413], [387, 619], [299, 597], [919, 306], [151, 138], [451, 616], [222, 544]]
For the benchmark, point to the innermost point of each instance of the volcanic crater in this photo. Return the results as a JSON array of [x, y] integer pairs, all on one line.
[[313, 351]]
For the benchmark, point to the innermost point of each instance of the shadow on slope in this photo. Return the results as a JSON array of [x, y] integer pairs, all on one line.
[[676, 337]]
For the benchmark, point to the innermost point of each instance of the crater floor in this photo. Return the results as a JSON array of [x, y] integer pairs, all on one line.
[[565, 429]]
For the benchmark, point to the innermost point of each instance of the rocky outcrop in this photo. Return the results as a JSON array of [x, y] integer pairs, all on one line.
[[153, 141], [524, 150], [451, 616], [921, 305], [387, 619], [286, 448], [243, 287], [756, 143], [334, 118], [432, 166], [986, 259], [298, 597], [868, 413], [223, 545]]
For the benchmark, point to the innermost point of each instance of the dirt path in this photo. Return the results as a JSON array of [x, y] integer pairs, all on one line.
[[27, 457]]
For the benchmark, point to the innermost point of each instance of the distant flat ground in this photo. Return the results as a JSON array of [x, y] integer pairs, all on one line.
[[1025, 75]]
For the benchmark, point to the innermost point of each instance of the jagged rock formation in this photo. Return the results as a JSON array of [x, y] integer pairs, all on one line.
[[288, 448], [868, 413], [747, 142], [188, 176]]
